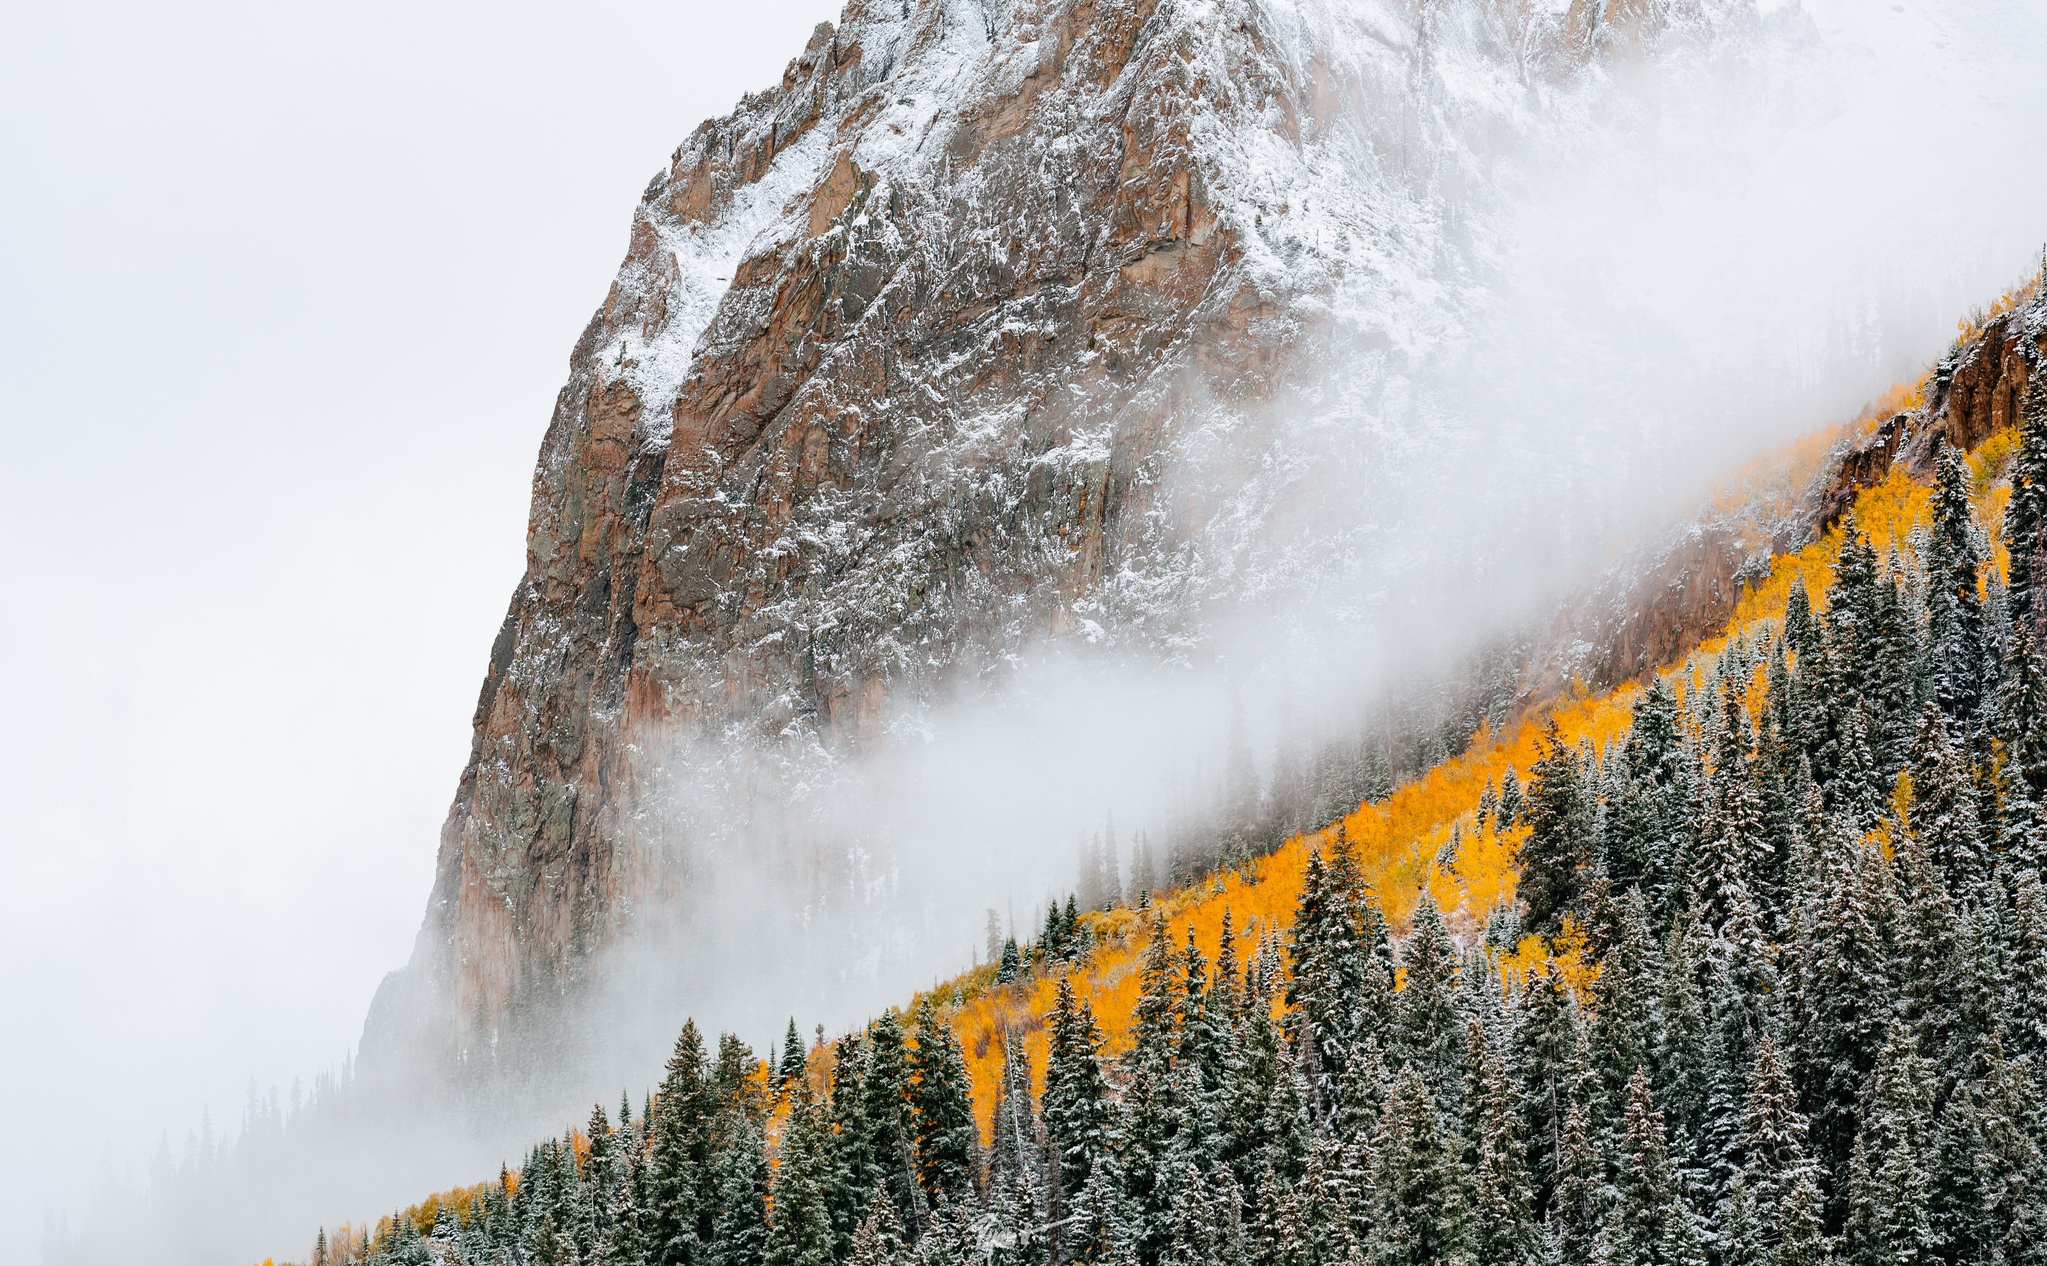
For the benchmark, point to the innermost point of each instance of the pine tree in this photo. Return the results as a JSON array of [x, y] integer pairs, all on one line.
[[1076, 1102], [1419, 1210], [800, 1232], [1560, 836], [879, 1239], [1342, 978], [1743, 1240], [1888, 1186], [1801, 1240], [1577, 1203], [946, 1135], [2023, 720], [1625, 1034], [1502, 1231], [1684, 1064], [2027, 509], [1013, 1228], [1845, 1003], [1311, 1224], [1655, 1226], [1954, 606], [1427, 1028], [1773, 1151], [1943, 813], [1143, 874], [739, 1234], [1546, 1046], [790, 1070], [680, 1182], [889, 1148]]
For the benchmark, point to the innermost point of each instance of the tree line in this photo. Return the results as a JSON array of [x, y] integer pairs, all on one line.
[[1801, 1022]]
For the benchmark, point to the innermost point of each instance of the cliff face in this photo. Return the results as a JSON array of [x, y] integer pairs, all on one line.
[[890, 383]]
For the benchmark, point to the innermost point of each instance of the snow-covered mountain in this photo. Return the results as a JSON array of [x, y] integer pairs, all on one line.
[[993, 326]]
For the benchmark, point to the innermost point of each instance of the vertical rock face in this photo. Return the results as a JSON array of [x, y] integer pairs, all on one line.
[[886, 388]]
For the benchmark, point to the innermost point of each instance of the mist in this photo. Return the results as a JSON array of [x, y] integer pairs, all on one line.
[[286, 294], [1668, 270], [1673, 268]]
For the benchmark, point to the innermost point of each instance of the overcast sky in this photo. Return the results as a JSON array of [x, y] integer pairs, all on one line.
[[286, 292]]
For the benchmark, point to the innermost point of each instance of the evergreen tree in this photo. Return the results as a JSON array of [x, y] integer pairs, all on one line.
[[1577, 1206], [1624, 1030], [1888, 1185], [681, 1186], [2027, 510], [946, 1136], [889, 1148], [800, 1232], [739, 1235], [1428, 1030], [1076, 1101], [879, 1239], [1013, 1228], [1801, 1241], [1502, 1232], [1419, 1210], [1652, 1224], [1773, 1152], [1954, 606], [1342, 978], [1560, 836], [790, 1070]]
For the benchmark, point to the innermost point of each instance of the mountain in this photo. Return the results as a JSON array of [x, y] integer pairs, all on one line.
[[990, 327], [1009, 373], [1742, 957]]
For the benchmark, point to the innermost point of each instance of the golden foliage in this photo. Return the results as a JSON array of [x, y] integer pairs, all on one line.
[[1426, 834]]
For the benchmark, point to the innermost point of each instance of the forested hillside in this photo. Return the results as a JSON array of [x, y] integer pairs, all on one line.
[[1745, 964]]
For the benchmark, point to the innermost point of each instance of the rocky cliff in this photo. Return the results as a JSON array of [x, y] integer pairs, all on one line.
[[925, 355]]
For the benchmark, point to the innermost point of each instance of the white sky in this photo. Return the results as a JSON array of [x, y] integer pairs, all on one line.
[[286, 292]]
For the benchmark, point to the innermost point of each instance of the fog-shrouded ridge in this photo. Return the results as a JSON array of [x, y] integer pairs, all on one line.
[[1637, 279], [1680, 264]]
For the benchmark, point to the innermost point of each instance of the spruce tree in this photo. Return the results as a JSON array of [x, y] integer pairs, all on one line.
[[1076, 1102], [1342, 978], [1560, 836], [1428, 1031], [946, 1135], [1889, 1187], [1502, 1231], [739, 1225], [791, 1068], [1419, 1207], [1954, 605], [1625, 1034], [800, 1232], [2027, 510], [1654, 1223], [890, 1145], [1577, 1205], [1801, 1239], [879, 1239], [1014, 1224], [680, 1182]]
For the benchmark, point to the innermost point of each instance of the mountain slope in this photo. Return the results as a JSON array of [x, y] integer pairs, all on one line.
[[1910, 821], [957, 340]]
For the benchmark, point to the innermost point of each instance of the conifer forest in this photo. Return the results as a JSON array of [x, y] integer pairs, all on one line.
[[1786, 1005]]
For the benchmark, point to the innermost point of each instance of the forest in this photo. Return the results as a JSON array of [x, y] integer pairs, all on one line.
[[1760, 980]]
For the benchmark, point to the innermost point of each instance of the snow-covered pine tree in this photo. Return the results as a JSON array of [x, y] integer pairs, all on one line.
[[947, 1138]]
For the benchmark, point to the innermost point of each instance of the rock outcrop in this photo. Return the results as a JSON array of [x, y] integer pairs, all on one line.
[[892, 382]]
